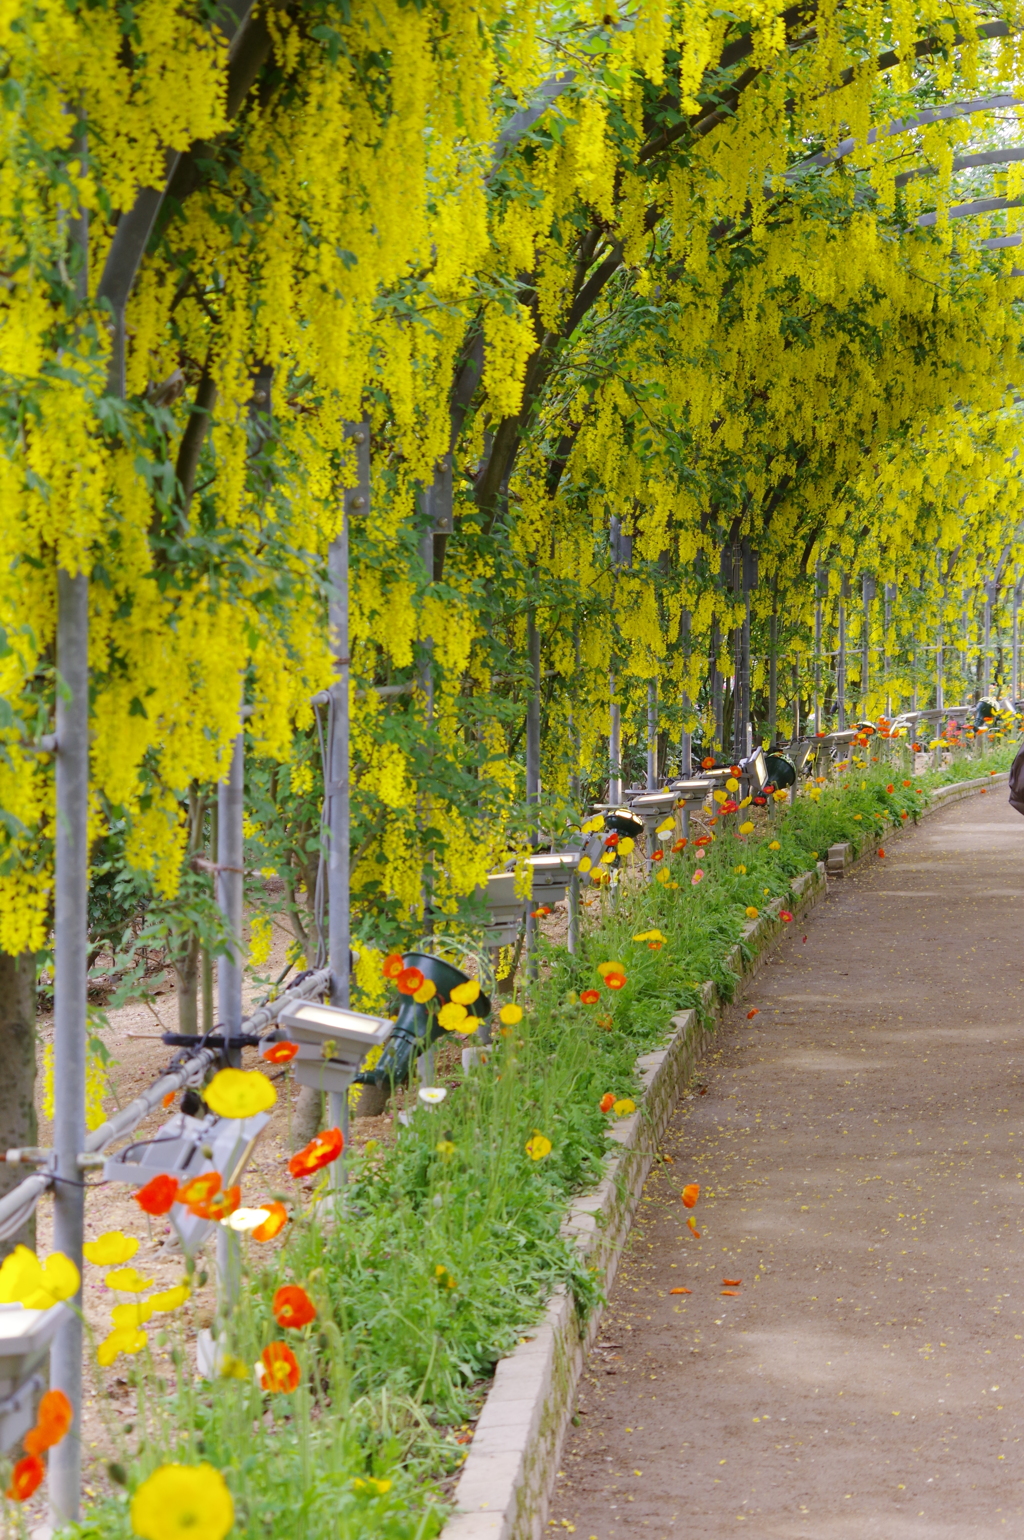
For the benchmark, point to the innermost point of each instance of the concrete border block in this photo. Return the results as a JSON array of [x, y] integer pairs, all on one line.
[[506, 1481]]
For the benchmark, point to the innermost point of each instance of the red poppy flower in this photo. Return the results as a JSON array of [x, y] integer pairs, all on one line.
[[277, 1218], [317, 1153], [392, 965], [904, 815], [729, 806], [704, 839], [657, 855], [280, 1368], [200, 1189], [293, 1307], [760, 801], [607, 1102], [785, 916], [906, 783], [611, 841], [53, 1419], [655, 946], [280, 1053], [408, 981], [157, 1195], [678, 846], [589, 997], [890, 788], [736, 771], [25, 1478], [615, 980]]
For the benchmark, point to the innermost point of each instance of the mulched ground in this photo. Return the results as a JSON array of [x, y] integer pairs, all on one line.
[[860, 1148]]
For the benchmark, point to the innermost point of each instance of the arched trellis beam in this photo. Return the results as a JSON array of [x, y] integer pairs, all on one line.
[[1001, 157]]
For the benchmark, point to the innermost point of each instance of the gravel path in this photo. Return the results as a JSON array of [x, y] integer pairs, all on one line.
[[860, 1148]]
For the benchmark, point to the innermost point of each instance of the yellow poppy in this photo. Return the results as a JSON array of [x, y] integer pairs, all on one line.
[[373, 1486], [774, 845], [183, 1502], [605, 968], [426, 991], [752, 913], [128, 1280], [453, 1016], [623, 1108], [732, 784], [239, 1093], [510, 1015], [169, 1299], [747, 828], [585, 865], [465, 994], [626, 847], [123, 1339], [110, 1248], [538, 1146], [741, 871], [720, 796], [24, 1280]]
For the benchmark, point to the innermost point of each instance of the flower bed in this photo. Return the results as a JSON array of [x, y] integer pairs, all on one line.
[[449, 1242]]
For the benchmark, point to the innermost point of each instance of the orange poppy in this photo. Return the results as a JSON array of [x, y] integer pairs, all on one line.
[[318, 1152], [219, 1206], [53, 1419], [157, 1195], [657, 855], [200, 1189], [755, 1012], [393, 965], [277, 1218], [293, 1307], [731, 1283], [281, 1372], [881, 854], [589, 997], [890, 788], [408, 981], [680, 1291], [655, 946], [279, 1053], [906, 783], [708, 763], [690, 1194], [692, 1224], [615, 980], [168, 1100], [679, 845], [25, 1478], [704, 839], [611, 841], [607, 1102]]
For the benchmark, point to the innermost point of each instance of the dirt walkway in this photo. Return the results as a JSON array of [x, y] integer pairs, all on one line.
[[861, 1152]]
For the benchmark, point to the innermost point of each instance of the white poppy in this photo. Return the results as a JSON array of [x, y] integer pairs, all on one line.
[[244, 1219]]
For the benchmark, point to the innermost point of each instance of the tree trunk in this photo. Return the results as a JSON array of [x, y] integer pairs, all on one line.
[[17, 1084], [307, 1119]]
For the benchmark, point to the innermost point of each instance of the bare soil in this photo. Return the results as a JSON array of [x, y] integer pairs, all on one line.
[[860, 1149]]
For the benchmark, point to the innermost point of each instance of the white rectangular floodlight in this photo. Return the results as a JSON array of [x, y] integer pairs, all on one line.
[[25, 1339], [332, 1042]]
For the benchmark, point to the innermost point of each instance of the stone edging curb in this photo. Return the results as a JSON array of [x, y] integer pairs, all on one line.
[[503, 1490], [504, 1487]]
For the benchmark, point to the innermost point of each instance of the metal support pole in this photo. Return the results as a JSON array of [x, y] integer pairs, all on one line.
[[868, 591], [841, 658], [533, 718], [652, 735], [817, 651], [355, 503], [230, 888], [686, 738], [717, 693], [986, 657], [744, 737], [1015, 685], [69, 1008], [939, 691], [796, 701], [614, 748], [773, 677], [574, 914]]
